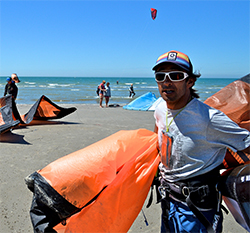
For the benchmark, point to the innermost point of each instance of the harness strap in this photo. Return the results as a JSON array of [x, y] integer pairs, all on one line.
[[156, 183], [185, 193], [199, 215]]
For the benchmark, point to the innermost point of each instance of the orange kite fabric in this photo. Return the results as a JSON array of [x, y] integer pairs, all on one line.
[[7, 120], [234, 101], [43, 109], [118, 169], [134, 157]]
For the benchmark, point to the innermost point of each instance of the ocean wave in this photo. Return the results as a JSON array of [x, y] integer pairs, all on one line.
[[65, 85], [149, 87], [60, 85], [214, 87], [121, 97], [28, 86], [30, 83]]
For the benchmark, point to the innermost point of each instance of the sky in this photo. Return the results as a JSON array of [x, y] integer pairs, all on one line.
[[79, 38]]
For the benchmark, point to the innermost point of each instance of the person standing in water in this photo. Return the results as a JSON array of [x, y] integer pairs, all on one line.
[[107, 93], [101, 91], [11, 88], [131, 91]]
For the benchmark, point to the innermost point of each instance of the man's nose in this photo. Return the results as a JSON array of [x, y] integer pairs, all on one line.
[[167, 81]]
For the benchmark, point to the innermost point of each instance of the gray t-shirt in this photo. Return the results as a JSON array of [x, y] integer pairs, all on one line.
[[201, 135]]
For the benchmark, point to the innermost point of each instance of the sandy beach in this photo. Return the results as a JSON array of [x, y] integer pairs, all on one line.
[[29, 148]]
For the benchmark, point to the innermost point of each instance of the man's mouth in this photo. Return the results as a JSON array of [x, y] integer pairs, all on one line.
[[168, 91]]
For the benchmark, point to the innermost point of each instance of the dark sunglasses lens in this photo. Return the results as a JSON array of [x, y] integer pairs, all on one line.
[[176, 76], [159, 77]]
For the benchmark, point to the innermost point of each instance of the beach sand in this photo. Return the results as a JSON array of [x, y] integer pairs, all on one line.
[[29, 148]]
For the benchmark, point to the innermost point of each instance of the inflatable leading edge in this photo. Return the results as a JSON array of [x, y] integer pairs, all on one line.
[[235, 188], [100, 188]]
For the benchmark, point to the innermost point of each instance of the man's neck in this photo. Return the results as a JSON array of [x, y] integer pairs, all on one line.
[[178, 105]]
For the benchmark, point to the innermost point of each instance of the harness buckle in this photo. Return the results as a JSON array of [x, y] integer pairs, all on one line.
[[162, 191], [185, 191]]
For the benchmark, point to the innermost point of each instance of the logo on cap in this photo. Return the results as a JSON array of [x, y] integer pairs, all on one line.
[[172, 56]]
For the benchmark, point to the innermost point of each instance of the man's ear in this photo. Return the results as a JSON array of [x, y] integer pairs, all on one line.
[[190, 82]]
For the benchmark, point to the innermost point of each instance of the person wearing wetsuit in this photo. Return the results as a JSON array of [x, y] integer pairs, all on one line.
[[11, 88]]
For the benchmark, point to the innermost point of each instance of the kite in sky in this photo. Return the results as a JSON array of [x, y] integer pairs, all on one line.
[[153, 13]]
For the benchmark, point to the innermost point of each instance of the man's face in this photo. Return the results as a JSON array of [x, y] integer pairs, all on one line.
[[176, 94]]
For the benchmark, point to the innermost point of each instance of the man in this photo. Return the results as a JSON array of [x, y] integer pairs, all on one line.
[[193, 138], [131, 91], [11, 88], [15, 78]]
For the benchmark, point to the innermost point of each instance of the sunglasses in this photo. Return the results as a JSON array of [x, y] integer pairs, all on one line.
[[174, 76]]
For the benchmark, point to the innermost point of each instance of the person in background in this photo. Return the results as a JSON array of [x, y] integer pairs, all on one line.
[[11, 88], [131, 91], [101, 91], [107, 93], [193, 139], [15, 78]]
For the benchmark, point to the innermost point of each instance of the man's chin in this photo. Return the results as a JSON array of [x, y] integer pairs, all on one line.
[[167, 98]]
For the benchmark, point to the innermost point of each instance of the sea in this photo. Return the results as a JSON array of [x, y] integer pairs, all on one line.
[[82, 90]]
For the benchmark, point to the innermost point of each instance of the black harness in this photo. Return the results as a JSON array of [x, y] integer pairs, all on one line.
[[200, 193]]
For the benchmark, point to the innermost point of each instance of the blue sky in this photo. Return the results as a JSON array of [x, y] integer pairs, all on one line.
[[119, 39]]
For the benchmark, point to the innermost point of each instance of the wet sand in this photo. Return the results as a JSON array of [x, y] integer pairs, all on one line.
[[29, 148]]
